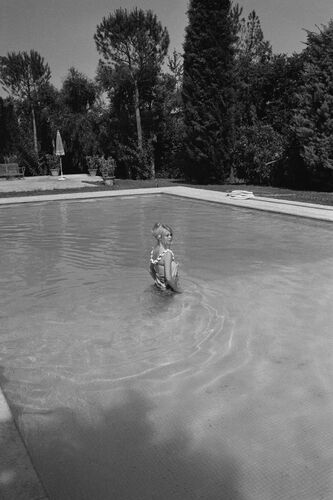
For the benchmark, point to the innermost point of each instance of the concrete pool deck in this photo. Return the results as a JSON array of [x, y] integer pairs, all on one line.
[[18, 479], [81, 181]]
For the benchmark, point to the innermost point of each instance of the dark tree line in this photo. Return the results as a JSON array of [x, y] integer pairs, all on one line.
[[226, 110], [255, 116]]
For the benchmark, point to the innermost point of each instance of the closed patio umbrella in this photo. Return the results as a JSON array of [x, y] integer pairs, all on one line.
[[60, 152]]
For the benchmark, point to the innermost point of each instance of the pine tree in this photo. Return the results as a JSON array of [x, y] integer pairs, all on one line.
[[313, 120], [253, 56], [24, 75], [208, 93], [136, 42]]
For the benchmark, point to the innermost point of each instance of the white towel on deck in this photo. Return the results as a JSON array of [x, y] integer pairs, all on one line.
[[240, 195]]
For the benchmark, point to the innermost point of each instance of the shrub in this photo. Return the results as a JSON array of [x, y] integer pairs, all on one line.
[[257, 149], [31, 162], [93, 162], [107, 167], [52, 162], [135, 163], [12, 158]]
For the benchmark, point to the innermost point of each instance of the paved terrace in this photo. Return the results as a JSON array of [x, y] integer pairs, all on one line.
[[13, 454]]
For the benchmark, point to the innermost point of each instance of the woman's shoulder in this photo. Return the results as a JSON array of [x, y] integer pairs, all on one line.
[[168, 252], [157, 255]]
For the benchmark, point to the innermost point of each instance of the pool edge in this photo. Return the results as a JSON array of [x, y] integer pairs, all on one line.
[[284, 207], [18, 477]]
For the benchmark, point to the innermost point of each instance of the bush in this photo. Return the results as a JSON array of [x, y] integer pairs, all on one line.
[[257, 149], [52, 162], [107, 167], [134, 163], [31, 162], [11, 158], [93, 162]]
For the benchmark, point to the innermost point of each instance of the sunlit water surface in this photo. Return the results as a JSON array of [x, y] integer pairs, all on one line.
[[121, 392]]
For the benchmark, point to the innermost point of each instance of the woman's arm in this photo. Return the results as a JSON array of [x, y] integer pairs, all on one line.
[[171, 278], [152, 271]]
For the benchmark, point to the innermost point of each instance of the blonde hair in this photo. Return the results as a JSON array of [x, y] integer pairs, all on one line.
[[159, 230]]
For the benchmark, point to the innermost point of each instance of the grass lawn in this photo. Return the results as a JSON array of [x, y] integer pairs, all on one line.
[[317, 197]]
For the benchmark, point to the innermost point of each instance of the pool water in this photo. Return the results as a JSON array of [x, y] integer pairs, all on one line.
[[123, 392]]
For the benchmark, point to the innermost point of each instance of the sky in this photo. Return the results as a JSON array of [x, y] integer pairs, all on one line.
[[62, 30]]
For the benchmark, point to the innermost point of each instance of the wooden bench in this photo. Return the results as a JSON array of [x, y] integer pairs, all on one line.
[[11, 170]]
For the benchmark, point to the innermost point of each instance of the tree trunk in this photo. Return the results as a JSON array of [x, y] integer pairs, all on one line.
[[152, 167], [152, 149], [34, 128], [232, 177], [138, 114]]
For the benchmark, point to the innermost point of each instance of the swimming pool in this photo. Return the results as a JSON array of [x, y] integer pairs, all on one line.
[[120, 392]]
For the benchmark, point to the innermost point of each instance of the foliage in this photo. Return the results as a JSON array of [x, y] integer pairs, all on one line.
[[252, 62], [208, 92], [30, 160], [176, 67], [36, 109], [313, 119], [80, 139], [133, 162], [107, 167], [133, 46], [276, 91], [169, 127], [93, 162], [52, 162], [25, 75], [133, 39], [265, 92], [12, 158], [250, 44], [78, 92], [257, 149], [120, 89], [9, 128], [79, 115]]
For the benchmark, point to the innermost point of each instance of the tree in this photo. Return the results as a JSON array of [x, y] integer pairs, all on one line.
[[257, 149], [250, 43], [24, 75], [208, 91], [9, 131], [176, 67], [133, 43], [79, 118], [78, 92], [313, 119], [168, 122], [253, 56]]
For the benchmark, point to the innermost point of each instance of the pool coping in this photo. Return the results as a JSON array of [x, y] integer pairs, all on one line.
[[286, 207], [14, 453], [18, 477]]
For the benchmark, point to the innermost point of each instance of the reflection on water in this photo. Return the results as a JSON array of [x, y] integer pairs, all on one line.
[[239, 360]]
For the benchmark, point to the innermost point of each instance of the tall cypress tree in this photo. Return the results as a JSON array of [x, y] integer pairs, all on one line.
[[208, 94], [313, 119]]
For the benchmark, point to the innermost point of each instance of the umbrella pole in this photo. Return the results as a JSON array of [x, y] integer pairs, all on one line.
[[61, 178]]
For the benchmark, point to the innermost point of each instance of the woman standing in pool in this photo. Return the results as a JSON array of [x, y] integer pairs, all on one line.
[[163, 268]]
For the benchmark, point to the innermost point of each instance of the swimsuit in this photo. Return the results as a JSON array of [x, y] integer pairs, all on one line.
[[160, 280]]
